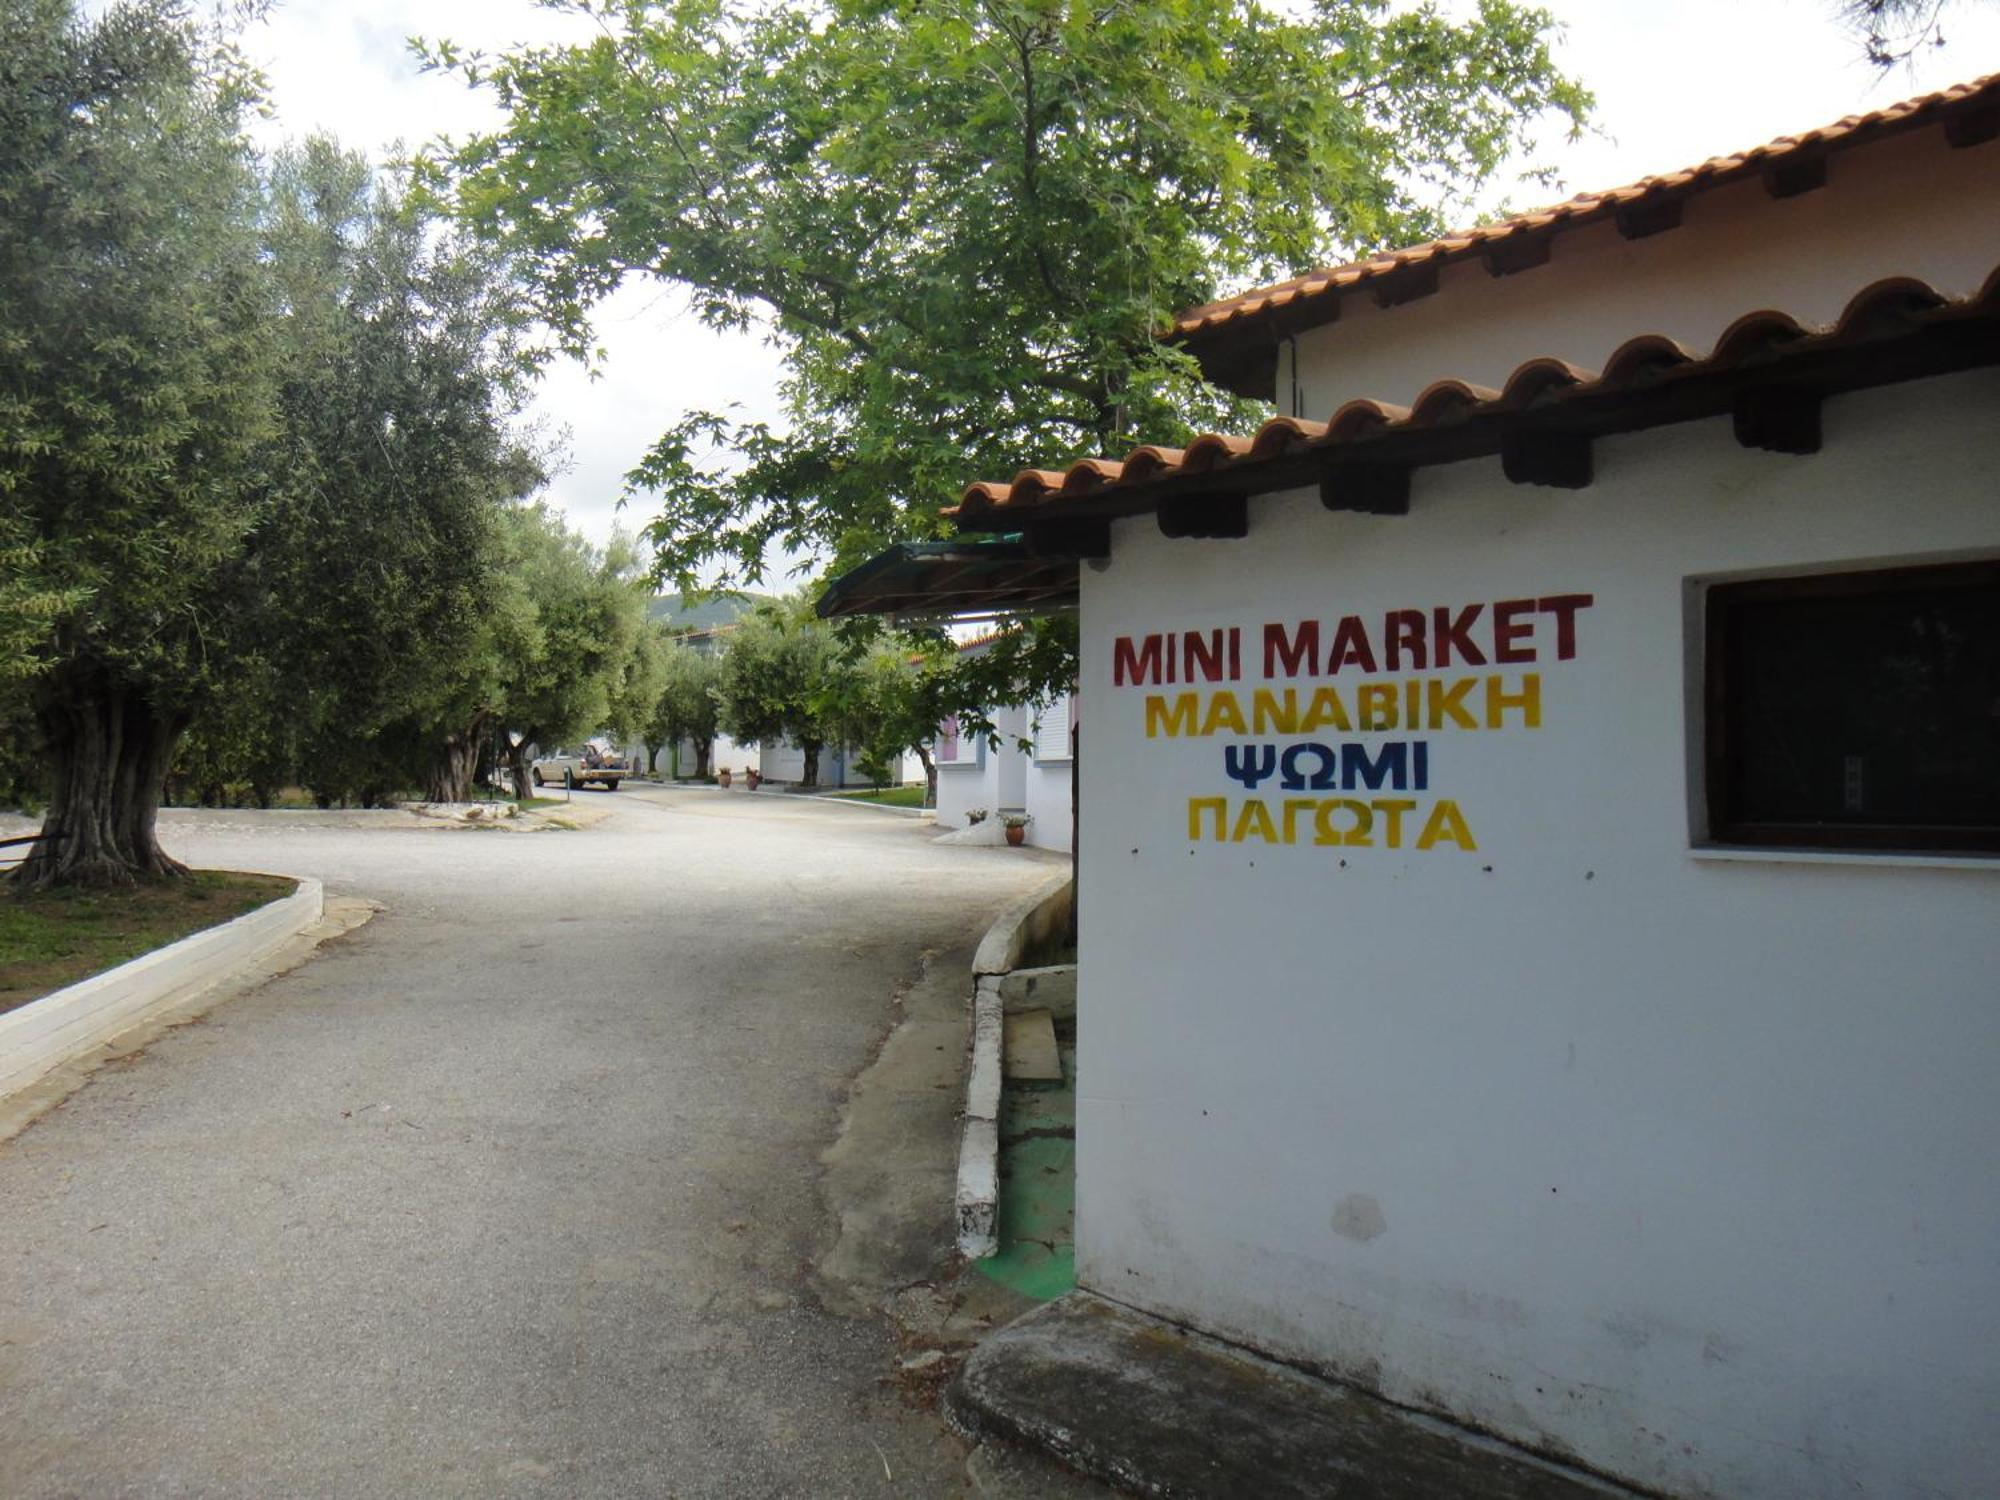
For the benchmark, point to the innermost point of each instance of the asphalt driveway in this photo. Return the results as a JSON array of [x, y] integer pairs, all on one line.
[[512, 1191]]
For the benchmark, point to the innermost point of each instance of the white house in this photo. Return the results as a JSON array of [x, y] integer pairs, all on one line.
[[975, 774], [1541, 845]]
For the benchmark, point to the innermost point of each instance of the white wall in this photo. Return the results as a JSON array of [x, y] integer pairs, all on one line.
[[985, 778], [1909, 206], [1048, 779], [1679, 1164], [783, 761], [1007, 777], [964, 786]]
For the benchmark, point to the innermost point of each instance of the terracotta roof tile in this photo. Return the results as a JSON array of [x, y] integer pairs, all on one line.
[[1226, 314], [1646, 361]]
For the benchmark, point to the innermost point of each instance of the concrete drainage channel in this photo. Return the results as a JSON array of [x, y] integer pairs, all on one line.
[[1036, 997]]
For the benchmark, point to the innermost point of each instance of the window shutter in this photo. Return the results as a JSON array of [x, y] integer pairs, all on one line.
[[1052, 730]]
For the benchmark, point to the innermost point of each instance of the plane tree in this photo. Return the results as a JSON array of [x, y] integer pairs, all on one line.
[[964, 222]]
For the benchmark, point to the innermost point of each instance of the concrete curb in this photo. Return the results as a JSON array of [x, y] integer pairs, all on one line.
[[877, 807], [40, 1036], [976, 1199], [1162, 1410], [1028, 921]]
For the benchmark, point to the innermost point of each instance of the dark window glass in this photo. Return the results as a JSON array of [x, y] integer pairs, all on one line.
[[1857, 710]]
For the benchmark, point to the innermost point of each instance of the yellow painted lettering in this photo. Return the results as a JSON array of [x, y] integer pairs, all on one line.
[[1376, 704], [1270, 714], [1293, 807], [1224, 712], [1392, 810], [1361, 835], [1170, 721], [1446, 705], [1199, 805], [1325, 709], [1326, 831], [1528, 700], [1447, 824], [1254, 822]]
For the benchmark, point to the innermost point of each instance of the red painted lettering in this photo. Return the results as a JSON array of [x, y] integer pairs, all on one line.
[[1136, 665], [1511, 630], [1350, 647], [1403, 630], [1564, 608], [1290, 658], [1204, 655], [1448, 632]]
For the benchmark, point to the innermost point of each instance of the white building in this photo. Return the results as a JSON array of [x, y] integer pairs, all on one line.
[[1029, 770], [1541, 918]]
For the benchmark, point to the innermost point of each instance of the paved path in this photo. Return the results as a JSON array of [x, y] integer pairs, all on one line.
[[512, 1192]]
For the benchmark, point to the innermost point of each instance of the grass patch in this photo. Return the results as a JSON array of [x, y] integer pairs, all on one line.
[[54, 938], [895, 796]]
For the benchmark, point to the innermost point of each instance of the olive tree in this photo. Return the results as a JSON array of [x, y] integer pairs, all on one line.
[[136, 400]]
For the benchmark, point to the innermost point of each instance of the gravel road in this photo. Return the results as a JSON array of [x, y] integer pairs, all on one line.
[[511, 1192]]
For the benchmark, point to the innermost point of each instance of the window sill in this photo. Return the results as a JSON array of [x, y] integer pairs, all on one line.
[[1934, 860]]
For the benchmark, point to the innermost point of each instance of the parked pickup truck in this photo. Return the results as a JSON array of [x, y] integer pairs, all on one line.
[[593, 762]]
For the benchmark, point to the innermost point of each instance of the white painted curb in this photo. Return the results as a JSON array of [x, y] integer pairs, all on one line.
[[1006, 940], [43, 1034], [874, 807], [976, 1198]]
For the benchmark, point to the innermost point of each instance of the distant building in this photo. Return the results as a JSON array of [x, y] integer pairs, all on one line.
[[974, 773]]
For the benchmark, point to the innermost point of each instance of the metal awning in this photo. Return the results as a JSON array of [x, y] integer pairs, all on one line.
[[966, 577]]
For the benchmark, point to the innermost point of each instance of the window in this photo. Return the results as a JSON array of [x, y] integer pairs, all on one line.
[[953, 748], [1052, 729], [1856, 710]]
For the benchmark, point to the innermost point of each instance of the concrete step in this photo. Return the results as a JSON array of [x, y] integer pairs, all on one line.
[[1155, 1409], [1030, 1051]]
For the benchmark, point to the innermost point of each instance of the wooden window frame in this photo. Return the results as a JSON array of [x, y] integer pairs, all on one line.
[[1726, 831]]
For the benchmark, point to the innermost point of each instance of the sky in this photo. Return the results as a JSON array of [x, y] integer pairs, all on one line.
[[1676, 81]]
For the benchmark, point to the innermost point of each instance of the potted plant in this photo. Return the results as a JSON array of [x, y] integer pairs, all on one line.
[[754, 777], [1016, 825], [722, 778], [974, 816]]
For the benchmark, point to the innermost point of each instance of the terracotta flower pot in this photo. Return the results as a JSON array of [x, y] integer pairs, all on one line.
[[755, 779], [722, 778], [1016, 834]]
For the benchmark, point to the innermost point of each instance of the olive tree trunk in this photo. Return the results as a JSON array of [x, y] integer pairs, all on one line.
[[930, 775], [449, 778], [109, 748], [517, 766], [810, 776], [704, 751]]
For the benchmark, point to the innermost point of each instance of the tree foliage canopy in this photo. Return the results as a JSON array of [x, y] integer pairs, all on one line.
[[781, 680], [387, 610], [259, 459], [1894, 31], [135, 400], [687, 706], [965, 220]]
